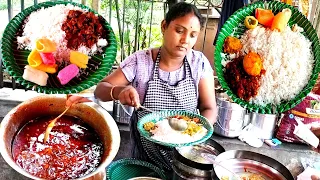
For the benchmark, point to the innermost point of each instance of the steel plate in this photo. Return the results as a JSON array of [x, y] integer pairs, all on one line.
[[190, 154], [158, 116], [245, 163]]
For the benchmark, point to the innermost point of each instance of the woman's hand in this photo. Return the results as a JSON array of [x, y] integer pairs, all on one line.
[[129, 96], [73, 99], [315, 177]]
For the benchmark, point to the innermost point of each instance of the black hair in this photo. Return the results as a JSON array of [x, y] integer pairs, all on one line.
[[181, 9]]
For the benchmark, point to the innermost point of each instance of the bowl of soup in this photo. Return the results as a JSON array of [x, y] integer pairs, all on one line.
[[82, 143]]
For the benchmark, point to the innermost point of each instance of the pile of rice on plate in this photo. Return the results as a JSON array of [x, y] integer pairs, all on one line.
[[164, 133], [287, 60]]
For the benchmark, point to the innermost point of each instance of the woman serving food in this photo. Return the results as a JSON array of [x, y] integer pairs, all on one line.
[[171, 77]]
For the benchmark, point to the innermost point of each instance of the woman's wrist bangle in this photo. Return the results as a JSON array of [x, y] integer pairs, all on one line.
[[111, 93]]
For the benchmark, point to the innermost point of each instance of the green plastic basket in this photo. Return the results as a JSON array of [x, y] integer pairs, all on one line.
[[158, 116], [231, 26], [14, 60], [131, 168]]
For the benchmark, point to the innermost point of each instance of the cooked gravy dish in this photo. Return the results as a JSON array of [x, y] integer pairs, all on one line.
[[73, 149]]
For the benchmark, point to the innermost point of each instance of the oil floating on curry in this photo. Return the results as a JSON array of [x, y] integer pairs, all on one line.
[[73, 150]]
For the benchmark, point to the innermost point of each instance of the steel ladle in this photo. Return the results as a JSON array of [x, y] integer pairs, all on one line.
[[175, 123], [51, 125], [211, 158], [53, 122]]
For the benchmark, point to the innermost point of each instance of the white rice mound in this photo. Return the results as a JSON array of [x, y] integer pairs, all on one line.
[[165, 133], [47, 23], [287, 58]]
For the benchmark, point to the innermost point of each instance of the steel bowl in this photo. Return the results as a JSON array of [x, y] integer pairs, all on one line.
[[51, 105], [188, 164], [244, 163]]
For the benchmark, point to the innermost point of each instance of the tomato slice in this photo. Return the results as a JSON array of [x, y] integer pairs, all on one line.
[[264, 16]]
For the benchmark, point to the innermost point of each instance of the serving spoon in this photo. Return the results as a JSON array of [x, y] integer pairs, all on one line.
[[174, 123], [53, 122], [211, 158], [51, 125]]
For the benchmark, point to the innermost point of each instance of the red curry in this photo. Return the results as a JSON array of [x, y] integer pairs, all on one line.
[[83, 28], [241, 83], [73, 149]]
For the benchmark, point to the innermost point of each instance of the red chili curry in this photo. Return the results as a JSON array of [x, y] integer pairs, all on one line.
[[73, 149], [83, 28], [242, 84]]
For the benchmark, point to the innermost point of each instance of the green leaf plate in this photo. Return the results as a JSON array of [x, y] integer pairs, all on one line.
[[131, 168], [14, 60], [231, 27], [158, 116]]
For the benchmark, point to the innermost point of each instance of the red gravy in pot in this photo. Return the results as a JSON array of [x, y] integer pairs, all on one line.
[[72, 150]]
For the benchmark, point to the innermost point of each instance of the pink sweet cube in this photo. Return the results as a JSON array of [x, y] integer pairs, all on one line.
[[47, 58], [67, 73]]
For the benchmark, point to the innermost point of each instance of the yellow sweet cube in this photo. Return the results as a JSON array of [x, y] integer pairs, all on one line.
[[79, 59]]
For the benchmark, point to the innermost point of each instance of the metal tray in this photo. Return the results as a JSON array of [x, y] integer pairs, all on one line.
[[244, 163], [186, 164], [189, 155]]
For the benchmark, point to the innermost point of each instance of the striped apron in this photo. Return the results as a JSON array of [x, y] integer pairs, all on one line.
[[160, 95]]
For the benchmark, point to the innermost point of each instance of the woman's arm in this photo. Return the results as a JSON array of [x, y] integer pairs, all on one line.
[[121, 89], [207, 100]]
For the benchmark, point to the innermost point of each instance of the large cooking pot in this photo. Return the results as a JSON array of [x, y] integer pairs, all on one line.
[[188, 164], [48, 105], [230, 118], [245, 163]]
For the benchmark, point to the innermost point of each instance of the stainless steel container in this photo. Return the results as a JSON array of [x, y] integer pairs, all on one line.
[[230, 118], [247, 119], [266, 122], [188, 163], [52, 105], [246, 163], [122, 113]]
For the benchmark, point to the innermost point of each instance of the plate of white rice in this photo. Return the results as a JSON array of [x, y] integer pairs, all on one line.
[[45, 20], [290, 58], [163, 134]]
